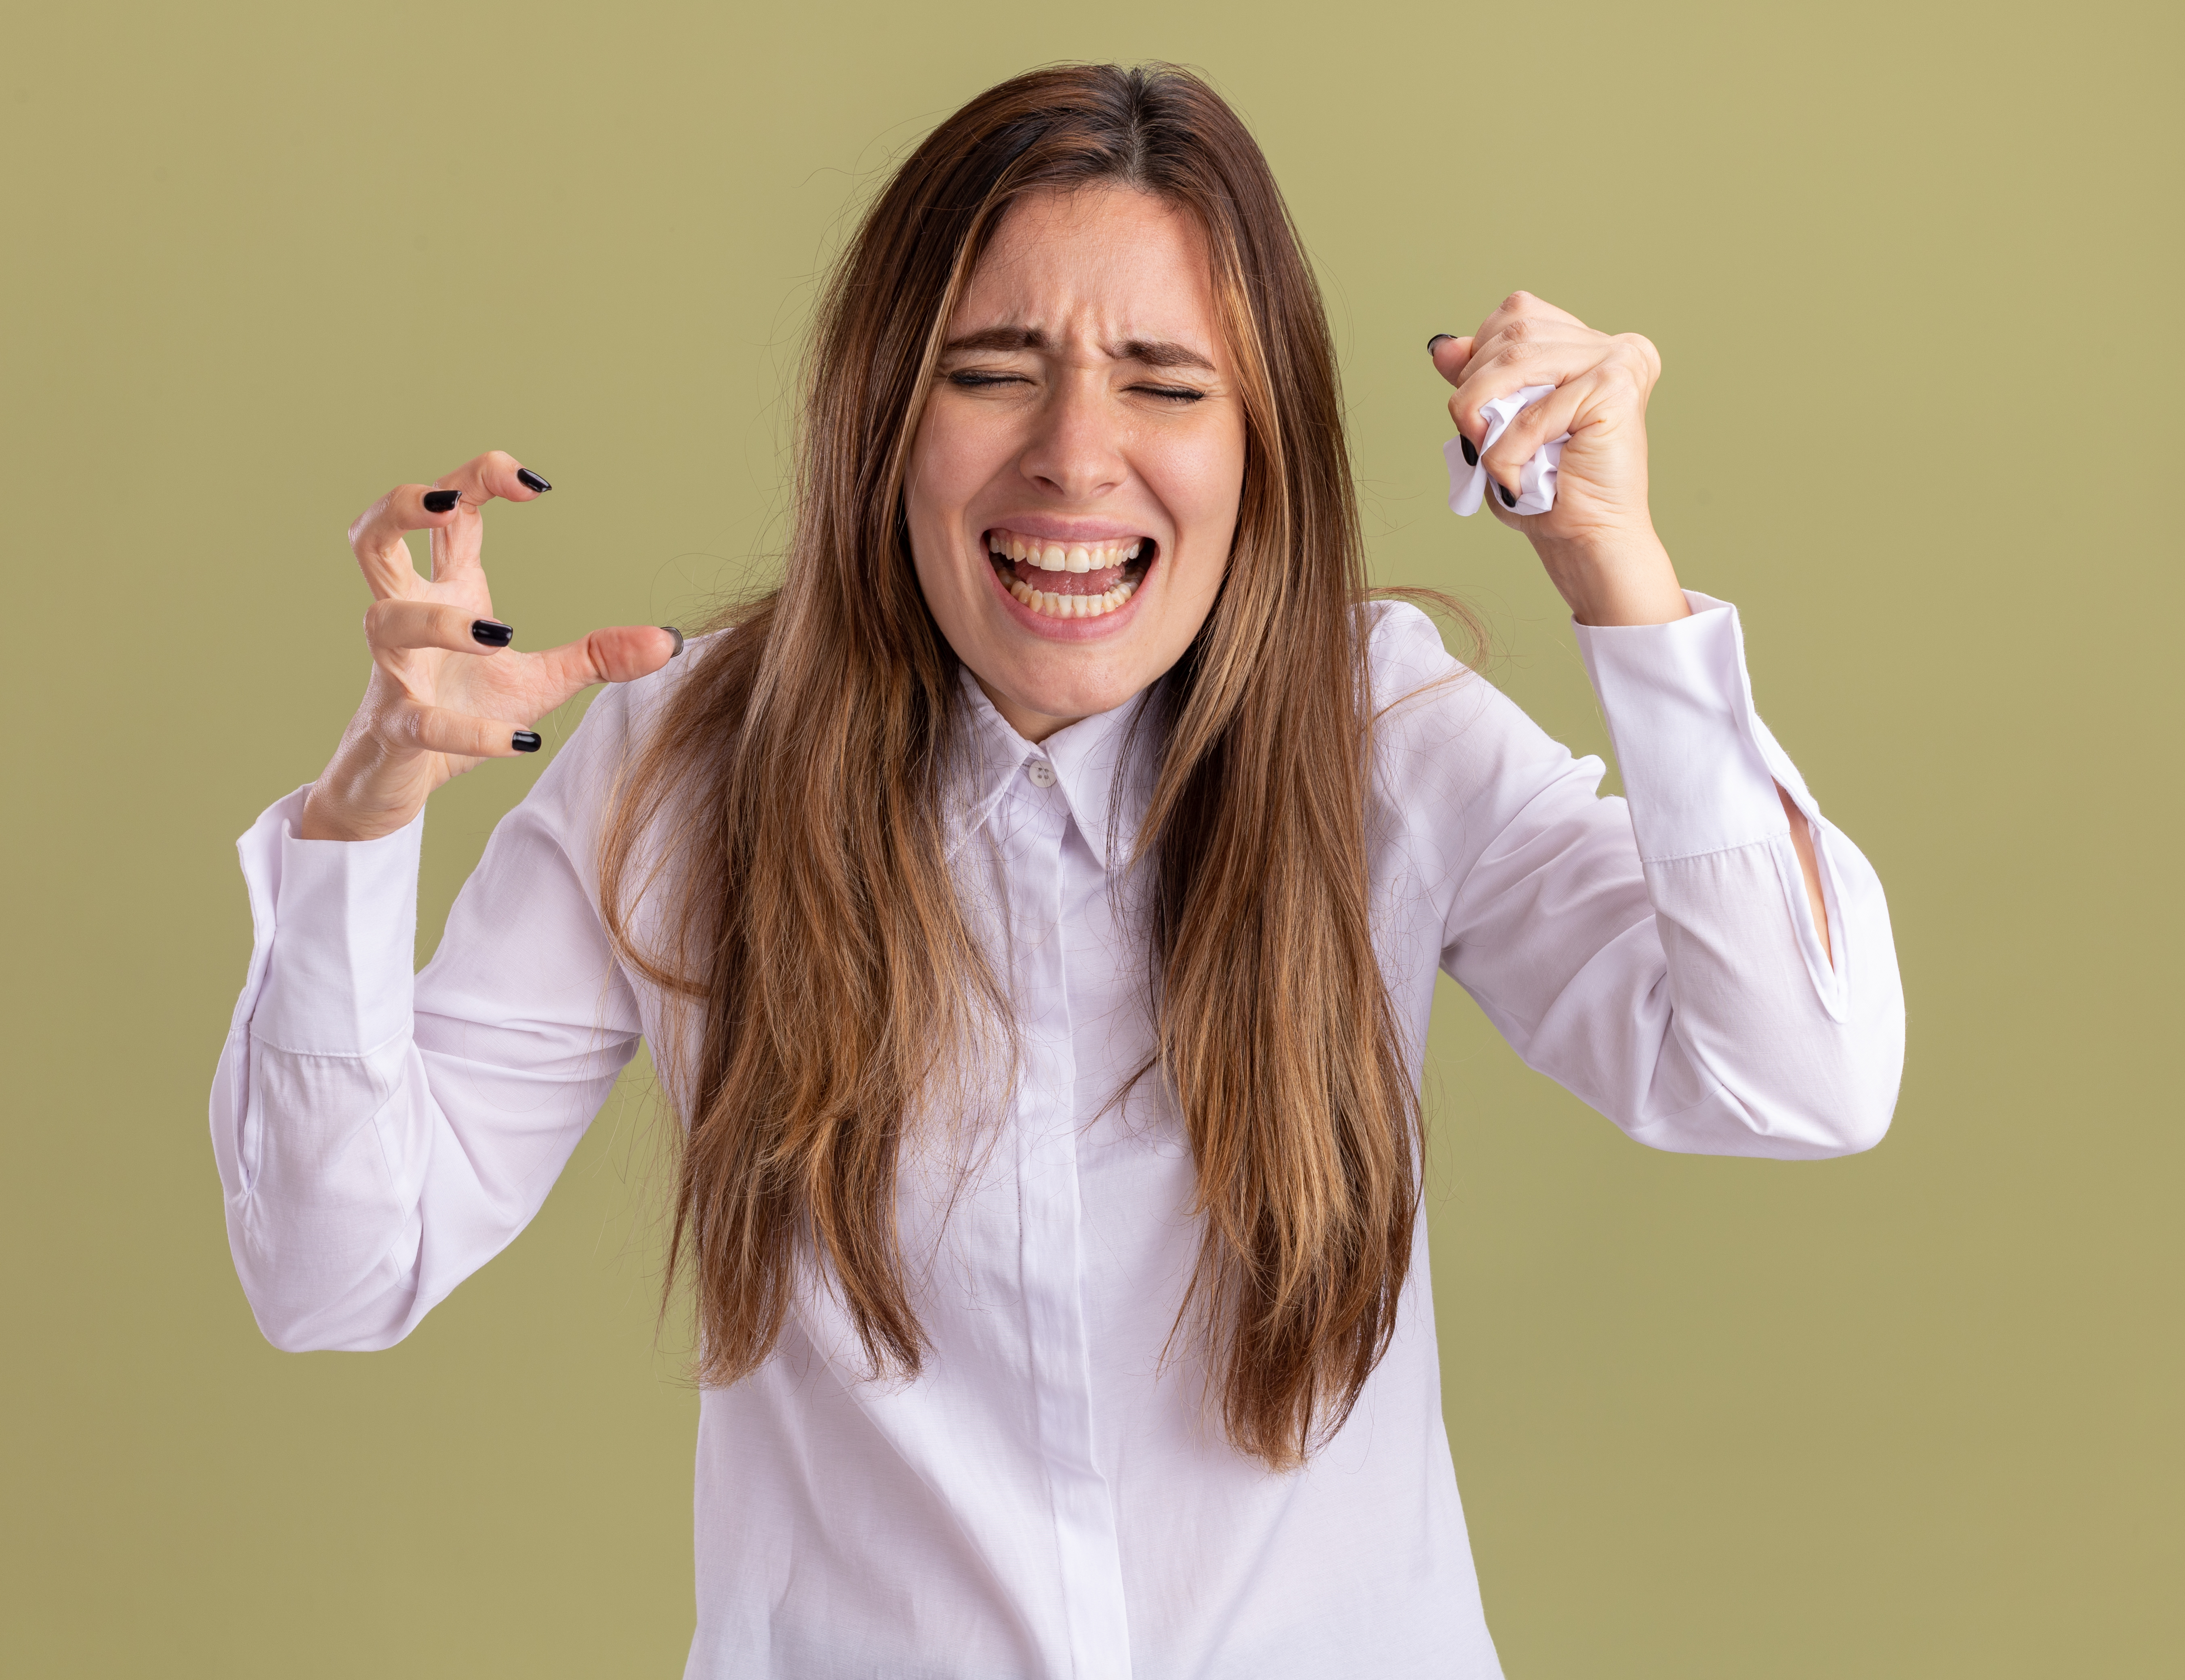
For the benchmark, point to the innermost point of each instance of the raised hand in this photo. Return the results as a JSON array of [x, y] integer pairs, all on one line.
[[1598, 541], [447, 688]]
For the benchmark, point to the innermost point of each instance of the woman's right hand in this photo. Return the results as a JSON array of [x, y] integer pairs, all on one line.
[[447, 689]]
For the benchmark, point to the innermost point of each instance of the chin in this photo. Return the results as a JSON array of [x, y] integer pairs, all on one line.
[[1035, 685]]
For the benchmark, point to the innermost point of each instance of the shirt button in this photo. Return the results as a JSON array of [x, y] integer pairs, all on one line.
[[1041, 772]]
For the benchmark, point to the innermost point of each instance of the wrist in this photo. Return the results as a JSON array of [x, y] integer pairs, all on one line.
[[1615, 578], [347, 803], [322, 821]]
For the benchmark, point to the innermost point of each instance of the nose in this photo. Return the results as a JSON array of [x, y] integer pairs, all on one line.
[[1075, 451]]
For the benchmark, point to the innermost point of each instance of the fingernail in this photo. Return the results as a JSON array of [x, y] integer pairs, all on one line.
[[439, 501], [1508, 500], [530, 480], [1471, 455], [678, 634], [1436, 339], [523, 740], [492, 631]]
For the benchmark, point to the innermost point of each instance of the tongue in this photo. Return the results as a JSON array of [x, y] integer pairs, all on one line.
[[1067, 582]]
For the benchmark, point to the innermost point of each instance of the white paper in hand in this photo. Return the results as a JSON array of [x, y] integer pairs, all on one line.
[[1536, 481]]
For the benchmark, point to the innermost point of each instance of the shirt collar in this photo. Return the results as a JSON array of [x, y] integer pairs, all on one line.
[[1084, 758]]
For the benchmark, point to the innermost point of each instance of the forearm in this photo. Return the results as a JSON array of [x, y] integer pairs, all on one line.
[[380, 1136], [1683, 996], [1620, 580], [308, 1103], [1702, 770]]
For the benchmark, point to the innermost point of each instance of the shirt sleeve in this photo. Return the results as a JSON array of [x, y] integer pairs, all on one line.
[[381, 1135], [1654, 954]]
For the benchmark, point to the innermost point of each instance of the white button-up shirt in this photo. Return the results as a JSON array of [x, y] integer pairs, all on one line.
[[1051, 1497]]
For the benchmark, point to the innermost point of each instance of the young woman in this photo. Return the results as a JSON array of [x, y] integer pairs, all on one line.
[[1034, 905]]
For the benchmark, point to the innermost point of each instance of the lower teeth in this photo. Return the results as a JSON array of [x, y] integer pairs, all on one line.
[[1071, 607]]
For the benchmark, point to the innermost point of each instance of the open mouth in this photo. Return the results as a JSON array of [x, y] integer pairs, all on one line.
[[1070, 580]]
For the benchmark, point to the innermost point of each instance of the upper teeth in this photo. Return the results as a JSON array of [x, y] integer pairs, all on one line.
[[1053, 556]]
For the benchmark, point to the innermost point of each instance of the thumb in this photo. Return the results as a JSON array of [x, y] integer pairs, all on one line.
[[1449, 354], [619, 655]]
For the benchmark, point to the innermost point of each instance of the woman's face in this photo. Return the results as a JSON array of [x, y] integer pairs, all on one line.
[[1074, 483]]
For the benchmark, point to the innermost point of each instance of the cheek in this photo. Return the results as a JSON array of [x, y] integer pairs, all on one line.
[[953, 459], [1201, 482], [948, 467]]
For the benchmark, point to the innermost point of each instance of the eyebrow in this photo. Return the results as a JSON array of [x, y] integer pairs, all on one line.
[[1151, 352]]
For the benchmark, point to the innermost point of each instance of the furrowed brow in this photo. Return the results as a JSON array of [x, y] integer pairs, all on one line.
[[997, 339], [1147, 352], [1159, 352]]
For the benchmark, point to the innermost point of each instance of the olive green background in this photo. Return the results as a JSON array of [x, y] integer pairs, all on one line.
[[1912, 271]]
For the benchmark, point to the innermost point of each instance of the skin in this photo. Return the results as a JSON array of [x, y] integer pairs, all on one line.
[[439, 702], [1071, 429], [1597, 542], [1087, 393]]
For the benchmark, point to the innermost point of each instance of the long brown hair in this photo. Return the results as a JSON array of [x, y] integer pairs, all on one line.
[[793, 801]]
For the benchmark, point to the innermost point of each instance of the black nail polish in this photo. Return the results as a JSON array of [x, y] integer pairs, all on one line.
[[1508, 500], [492, 631], [1471, 455], [439, 501], [678, 634], [523, 740], [530, 480], [1436, 339]]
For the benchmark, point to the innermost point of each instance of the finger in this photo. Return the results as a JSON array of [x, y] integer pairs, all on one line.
[[1645, 358], [1621, 380], [392, 625], [1450, 355], [1552, 416], [1525, 307], [433, 728], [1511, 364], [458, 545], [620, 655], [375, 537]]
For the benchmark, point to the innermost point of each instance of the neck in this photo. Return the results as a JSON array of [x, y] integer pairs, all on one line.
[[1034, 726]]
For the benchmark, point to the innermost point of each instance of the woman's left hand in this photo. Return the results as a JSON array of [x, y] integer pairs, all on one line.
[[1597, 541]]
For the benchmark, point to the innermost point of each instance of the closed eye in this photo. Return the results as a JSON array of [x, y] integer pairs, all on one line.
[[978, 379]]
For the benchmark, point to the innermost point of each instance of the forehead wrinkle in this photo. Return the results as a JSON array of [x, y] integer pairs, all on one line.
[[1072, 257]]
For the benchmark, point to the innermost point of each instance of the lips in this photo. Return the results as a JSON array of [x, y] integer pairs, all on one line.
[[1070, 579]]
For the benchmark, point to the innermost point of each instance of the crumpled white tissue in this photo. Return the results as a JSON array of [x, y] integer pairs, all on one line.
[[1536, 480]]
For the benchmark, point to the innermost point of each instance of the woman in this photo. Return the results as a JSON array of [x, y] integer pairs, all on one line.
[[1034, 905]]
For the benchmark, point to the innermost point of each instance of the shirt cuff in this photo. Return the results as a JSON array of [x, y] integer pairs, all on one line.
[[335, 926], [1699, 767]]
